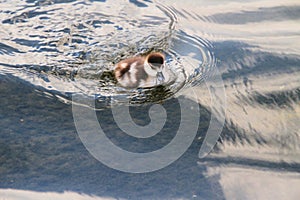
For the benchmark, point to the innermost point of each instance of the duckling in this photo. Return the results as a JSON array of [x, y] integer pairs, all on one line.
[[142, 71]]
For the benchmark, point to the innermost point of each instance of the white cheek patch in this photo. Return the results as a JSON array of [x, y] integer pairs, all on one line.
[[149, 70]]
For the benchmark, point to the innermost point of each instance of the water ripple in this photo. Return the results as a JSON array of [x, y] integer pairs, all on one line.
[[78, 51]]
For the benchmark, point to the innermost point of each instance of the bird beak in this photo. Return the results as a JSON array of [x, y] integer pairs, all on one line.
[[160, 77]]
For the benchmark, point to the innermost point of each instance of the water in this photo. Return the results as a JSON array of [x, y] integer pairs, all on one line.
[[53, 50]]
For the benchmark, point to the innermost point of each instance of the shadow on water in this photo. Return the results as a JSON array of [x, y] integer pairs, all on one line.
[[240, 60], [278, 13], [40, 151]]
